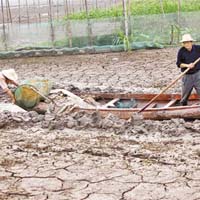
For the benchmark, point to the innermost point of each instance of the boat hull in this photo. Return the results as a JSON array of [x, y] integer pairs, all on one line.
[[186, 112], [163, 111]]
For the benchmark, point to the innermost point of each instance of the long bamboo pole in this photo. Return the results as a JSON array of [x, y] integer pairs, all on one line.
[[166, 88]]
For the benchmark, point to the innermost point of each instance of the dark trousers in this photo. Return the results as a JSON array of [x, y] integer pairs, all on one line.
[[190, 81]]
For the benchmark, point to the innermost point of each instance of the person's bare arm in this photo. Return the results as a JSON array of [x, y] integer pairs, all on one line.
[[183, 65], [14, 83], [10, 94]]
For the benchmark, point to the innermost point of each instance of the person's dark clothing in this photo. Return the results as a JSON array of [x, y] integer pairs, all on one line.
[[189, 82], [187, 57], [192, 77]]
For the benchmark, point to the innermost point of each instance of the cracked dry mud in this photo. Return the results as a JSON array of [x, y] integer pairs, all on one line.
[[109, 159]]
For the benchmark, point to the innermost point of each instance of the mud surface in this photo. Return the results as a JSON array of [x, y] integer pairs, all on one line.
[[82, 156], [138, 71]]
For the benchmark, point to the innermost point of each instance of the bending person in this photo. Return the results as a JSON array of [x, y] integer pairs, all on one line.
[[8, 77]]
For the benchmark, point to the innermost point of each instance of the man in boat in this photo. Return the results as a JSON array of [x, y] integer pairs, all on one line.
[[185, 59], [7, 77]]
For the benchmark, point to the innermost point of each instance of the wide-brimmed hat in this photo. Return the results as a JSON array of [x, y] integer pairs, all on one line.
[[10, 74], [187, 38]]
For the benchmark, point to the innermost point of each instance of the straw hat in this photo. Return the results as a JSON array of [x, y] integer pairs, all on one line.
[[187, 38], [10, 74]]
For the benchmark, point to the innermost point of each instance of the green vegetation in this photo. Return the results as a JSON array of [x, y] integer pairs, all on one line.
[[82, 41], [138, 7], [98, 13], [111, 41]]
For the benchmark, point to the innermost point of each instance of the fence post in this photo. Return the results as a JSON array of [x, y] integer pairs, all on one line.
[[96, 4], [172, 35], [27, 11], [83, 5], [19, 10], [162, 7], [33, 6], [178, 17], [125, 17], [39, 14], [179, 7], [4, 27], [51, 23], [9, 16], [89, 27], [69, 32], [129, 17], [126, 28], [57, 9]]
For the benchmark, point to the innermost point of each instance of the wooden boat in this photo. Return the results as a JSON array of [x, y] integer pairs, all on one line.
[[165, 107], [126, 105]]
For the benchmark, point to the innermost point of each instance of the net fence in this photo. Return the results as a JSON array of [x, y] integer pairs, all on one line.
[[59, 32]]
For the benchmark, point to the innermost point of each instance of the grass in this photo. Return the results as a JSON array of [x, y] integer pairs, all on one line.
[[139, 7], [98, 13]]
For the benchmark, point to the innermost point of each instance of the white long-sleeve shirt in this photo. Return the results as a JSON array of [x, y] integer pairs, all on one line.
[[3, 83]]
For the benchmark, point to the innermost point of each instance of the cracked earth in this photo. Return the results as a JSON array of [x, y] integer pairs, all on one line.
[[108, 160]]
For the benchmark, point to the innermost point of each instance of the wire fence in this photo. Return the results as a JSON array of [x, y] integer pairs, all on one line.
[[28, 11], [41, 24]]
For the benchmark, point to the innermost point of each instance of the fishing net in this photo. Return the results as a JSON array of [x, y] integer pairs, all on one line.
[[103, 33]]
